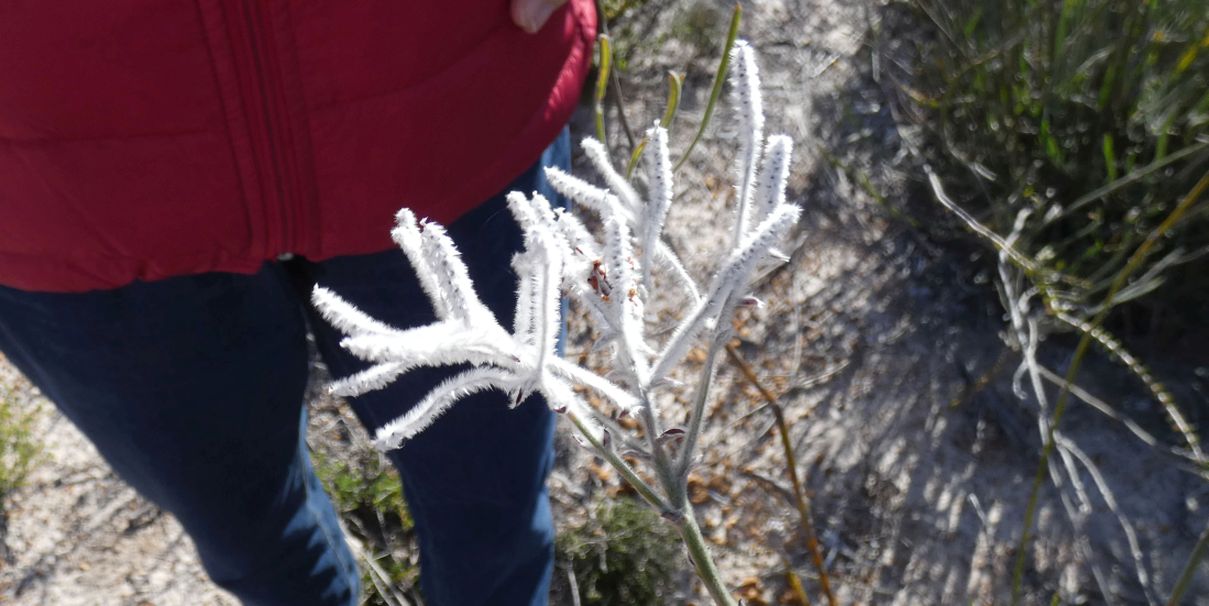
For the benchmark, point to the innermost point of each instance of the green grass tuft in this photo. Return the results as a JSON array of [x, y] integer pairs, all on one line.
[[1093, 115], [18, 448]]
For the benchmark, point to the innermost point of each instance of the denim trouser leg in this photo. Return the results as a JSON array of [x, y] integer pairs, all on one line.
[[191, 388]]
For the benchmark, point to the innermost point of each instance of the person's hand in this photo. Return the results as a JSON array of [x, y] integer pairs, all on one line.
[[531, 15]]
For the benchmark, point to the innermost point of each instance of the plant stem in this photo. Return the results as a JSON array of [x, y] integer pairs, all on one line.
[[672, 481], [685, 522], [698, 415], [795, 585], [702, 562], [799, 495], [1198, 553], [631, 477]]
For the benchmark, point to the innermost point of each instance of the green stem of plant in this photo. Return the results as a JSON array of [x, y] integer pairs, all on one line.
[[1198, 553], [685, 522], [698, 414], [672, 481], [698, 552], [1073, 371], [675, 83], [719, 78], [631, 477], [795, 585]]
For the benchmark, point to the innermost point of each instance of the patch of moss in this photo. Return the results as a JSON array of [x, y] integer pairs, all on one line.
[[368, 495], [18, 448], [625, 555]]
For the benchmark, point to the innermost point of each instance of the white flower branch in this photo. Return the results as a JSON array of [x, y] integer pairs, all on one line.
[[612, 275]]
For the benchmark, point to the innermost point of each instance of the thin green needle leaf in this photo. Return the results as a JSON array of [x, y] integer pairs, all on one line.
[[1198, 553], [1110, 157], [602, 83], [675, 83], [719, 78], [1131, 177]]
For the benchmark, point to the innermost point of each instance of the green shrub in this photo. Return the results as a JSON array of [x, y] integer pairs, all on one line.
[[625, 555], [1094, 114]]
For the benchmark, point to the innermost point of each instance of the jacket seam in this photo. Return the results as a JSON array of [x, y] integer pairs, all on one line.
[[18, 141], [308, 233], [228, 106]]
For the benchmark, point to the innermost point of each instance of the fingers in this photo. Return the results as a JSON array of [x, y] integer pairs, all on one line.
[[531, 15]]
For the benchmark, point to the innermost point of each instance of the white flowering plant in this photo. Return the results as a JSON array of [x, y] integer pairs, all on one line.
[[611, 275]]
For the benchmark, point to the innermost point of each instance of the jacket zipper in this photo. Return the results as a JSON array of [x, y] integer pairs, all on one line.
[[269, 131]]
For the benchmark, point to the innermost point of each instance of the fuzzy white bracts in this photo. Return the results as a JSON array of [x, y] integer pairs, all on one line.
[[610, 274]]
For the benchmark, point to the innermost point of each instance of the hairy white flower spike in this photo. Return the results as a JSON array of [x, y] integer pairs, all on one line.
[[624, 300], [581, 247], [406, 235], [599, 156], [548, 305], [431, 345], [536, 219], [527, 265], [541, 271], [736, 270], [446, 264], [770, 190], [732, 276], [344, 316], [439, 267], [526, 292], [745, 87], [439, 400], [600, 201], [528, 219], [372, 379], [659, 184]]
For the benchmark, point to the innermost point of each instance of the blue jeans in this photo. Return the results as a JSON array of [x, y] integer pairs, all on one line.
[[192, 390]]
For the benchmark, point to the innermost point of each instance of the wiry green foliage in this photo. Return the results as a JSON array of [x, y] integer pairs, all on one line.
[[1080, 127], [1094, 114], [624, 555], [18, 448]]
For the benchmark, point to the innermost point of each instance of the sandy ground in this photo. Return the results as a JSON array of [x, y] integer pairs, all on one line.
[[869, 337], [78, 536]]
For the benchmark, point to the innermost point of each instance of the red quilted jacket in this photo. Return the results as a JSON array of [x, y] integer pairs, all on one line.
[[142, 139]]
